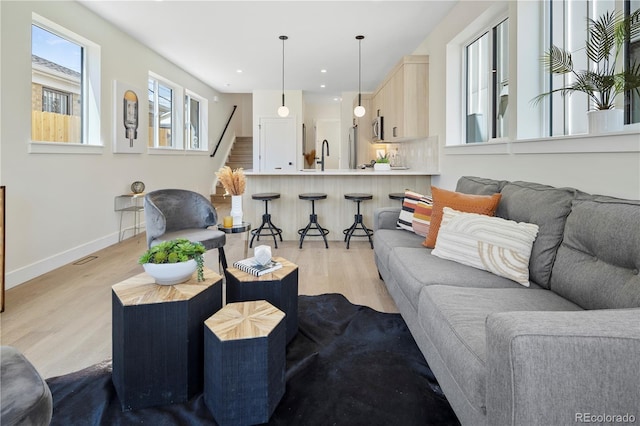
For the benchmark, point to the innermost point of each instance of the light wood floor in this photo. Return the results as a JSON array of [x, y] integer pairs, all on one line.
[[61, 321]]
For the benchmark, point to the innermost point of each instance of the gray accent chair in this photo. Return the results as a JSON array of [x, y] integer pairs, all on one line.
[[180, 213], [25, 397]]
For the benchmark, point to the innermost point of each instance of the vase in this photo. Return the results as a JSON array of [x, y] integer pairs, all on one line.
[[236, 209], [171, 273], [382, 167], [605, 121]]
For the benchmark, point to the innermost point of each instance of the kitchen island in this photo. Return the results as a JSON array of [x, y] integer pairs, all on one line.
[[335, 213]]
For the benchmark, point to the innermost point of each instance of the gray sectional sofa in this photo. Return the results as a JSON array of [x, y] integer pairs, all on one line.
[[564, 350]]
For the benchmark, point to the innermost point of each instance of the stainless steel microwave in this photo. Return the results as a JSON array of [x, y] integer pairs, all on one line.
[[377, 130]]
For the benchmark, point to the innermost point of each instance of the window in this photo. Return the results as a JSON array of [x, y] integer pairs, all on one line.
[[566, 27], [56, 110], [195, 129], [56, 101], [632, 52], [164, 113], [65, 89], [487, 85]]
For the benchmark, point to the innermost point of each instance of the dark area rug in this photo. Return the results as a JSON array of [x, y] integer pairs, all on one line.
[[348, 365]]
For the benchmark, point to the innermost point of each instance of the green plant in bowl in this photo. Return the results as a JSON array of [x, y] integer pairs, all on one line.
[[174, 251], [384, 159]]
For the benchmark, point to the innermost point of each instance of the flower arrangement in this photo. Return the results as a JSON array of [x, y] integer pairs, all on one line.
[[233, 181], [174, 251]]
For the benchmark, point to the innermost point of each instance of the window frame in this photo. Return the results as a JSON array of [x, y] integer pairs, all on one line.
[[63, 95], [524, 134], [177, 115], [490, 123], [203, 112], [631, 100], [91, 142]]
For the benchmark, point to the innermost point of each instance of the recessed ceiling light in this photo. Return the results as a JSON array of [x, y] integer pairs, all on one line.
[[323, 70], [239, 71], [323, 86]]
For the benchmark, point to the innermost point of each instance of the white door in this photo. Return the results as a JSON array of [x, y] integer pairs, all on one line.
[[329, 130], [277, 144]]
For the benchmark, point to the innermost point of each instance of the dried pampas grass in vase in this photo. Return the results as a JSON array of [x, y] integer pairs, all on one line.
[[233, 181]]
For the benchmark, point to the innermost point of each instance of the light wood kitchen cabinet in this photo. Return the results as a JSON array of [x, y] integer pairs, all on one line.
[[403, 100]]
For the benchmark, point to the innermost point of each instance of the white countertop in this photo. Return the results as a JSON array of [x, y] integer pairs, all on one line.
[[341, 172]]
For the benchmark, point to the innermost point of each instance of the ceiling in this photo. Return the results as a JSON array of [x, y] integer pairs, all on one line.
[[212, 40]]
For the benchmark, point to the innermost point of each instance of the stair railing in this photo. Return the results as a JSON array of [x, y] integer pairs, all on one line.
[[224, 131]]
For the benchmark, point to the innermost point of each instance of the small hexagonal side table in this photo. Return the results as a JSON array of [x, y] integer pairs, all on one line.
[[280, 288], [245, 359], [158, 338]]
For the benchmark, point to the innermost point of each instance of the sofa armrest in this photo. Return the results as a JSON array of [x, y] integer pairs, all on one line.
[[562, 367], [385, 217]]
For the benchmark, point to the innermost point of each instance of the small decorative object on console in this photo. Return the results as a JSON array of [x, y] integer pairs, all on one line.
[[137, 187]]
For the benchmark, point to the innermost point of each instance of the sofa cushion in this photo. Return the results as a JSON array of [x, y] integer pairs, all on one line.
[[385, 240], [547, 207], [479, 186], [497, 245], [482, 204], [454, 319], [414, 269], [598, 262]]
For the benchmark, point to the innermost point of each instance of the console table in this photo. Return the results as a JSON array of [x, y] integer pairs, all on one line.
[[129, 203]]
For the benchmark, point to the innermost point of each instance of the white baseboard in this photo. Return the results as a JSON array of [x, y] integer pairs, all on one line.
[[26, 273]]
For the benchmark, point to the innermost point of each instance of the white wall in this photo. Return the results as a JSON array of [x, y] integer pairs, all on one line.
[[314, 112], [243, 117], [60, 206], [265, 105], [561, 162]]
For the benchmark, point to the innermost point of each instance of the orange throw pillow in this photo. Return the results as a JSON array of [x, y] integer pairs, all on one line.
[[467, 203]]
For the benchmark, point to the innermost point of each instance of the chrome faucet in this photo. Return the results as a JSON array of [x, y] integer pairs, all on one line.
[[321, 162]]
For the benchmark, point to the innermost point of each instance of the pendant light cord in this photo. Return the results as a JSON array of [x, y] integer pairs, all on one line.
[[359, 71], [359, 38], [283, 38]]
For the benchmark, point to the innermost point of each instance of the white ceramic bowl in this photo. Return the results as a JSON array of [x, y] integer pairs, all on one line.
[[171, 273]]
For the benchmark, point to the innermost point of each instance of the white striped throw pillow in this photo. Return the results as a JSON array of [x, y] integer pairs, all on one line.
[[408, 206], [500, 246]]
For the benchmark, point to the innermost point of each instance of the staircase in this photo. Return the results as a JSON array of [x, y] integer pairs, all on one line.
[[240, 156]]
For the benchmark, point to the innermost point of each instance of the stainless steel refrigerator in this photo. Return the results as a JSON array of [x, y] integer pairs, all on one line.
[[353, 146]]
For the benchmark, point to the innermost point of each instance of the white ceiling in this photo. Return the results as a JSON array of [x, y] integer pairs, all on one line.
[[213, 39]]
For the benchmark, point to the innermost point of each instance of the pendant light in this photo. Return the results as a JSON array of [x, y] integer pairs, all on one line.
[[359, 111], [283, 111]]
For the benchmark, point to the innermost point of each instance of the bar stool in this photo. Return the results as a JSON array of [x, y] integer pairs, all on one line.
[[267, 227], [396, 196], [313, 219], [357, 223]]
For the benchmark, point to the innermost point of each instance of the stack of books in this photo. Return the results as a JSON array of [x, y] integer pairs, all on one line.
[[251, 266]]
